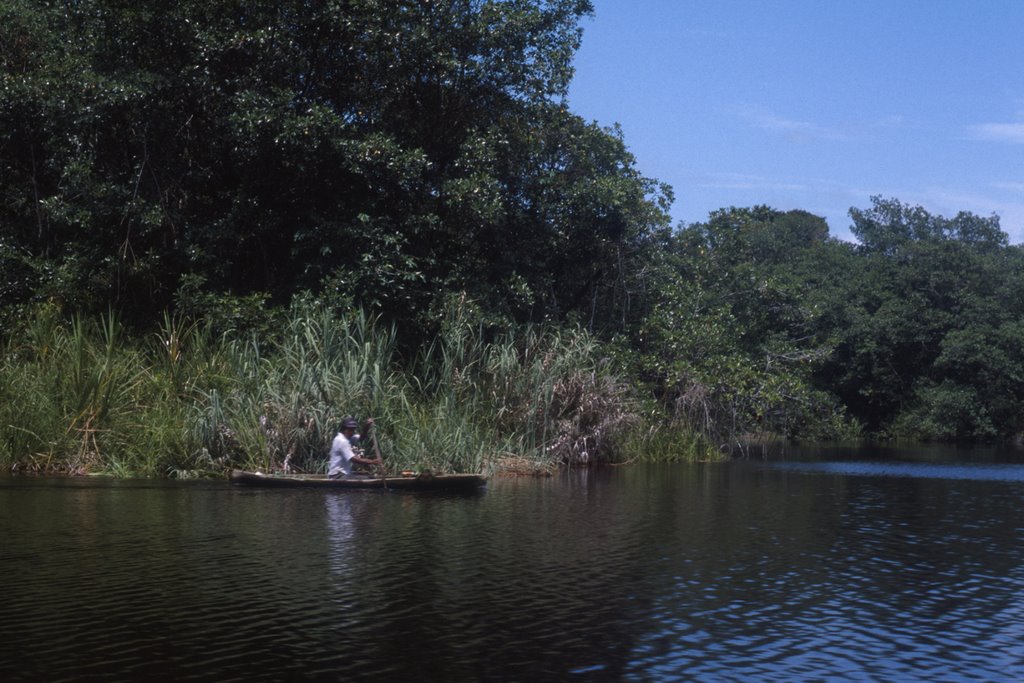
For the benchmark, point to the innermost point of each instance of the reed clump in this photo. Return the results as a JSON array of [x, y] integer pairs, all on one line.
[[465, 405], [83, 396], [548, 397], [79, 396], [281, 402]]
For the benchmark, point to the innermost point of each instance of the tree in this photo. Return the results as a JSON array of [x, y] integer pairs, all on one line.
[[927, 326], [731, 343], [367, 151]]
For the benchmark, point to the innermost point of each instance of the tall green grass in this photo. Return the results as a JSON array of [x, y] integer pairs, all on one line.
[[282, 403], [465, 404], [547, 397], [82, 396]]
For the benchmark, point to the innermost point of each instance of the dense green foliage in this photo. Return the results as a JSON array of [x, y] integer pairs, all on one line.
[[928, 323], [377, 152], [80, 397], [734, 337], [238, 184], [914, 332]]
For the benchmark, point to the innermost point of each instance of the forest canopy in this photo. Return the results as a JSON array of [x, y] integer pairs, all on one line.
[[376, 153], [224, 162]]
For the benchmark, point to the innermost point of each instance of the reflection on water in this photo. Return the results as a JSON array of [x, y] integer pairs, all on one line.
[[745, 571], [341, 532]]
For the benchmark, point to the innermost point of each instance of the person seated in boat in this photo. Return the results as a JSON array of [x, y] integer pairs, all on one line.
[[343, 450]]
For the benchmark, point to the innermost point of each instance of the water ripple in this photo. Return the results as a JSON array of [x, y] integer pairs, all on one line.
[[967, 472], [732, 573]]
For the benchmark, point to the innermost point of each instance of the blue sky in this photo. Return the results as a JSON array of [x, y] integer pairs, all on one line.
[[815, 104]]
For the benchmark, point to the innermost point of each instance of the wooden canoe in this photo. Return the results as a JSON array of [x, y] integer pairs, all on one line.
[[421, 482]]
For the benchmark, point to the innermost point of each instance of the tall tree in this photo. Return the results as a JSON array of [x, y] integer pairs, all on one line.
[[927, 325], [371, 151], [731, 343]]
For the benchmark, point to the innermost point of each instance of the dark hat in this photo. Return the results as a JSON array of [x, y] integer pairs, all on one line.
[[349, 423]]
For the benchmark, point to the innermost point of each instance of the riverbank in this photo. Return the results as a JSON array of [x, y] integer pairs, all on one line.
[[86, 397]]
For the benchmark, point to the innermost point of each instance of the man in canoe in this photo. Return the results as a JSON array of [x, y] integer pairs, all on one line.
[[343, 454]]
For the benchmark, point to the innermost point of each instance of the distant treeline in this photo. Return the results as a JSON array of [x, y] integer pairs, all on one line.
[[220, 164]]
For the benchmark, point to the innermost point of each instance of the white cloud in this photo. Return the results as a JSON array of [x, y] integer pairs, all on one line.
[[999, 132], [1010, 187], [802, 131], [794, 128], [740, 181], [816, 187]]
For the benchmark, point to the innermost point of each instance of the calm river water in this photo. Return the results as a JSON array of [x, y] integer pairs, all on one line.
[[833, 568]]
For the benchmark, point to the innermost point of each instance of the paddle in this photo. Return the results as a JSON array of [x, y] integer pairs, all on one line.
[[380, 461]]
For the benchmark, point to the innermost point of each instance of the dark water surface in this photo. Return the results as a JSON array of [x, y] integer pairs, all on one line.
[[833, 569]]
